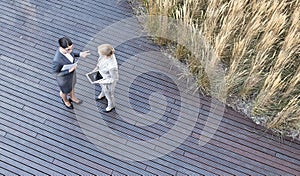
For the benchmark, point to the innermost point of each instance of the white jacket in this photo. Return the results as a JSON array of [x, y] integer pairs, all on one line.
[[108, 68]]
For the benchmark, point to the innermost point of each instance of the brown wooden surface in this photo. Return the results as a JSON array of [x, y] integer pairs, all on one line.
[[39, 136]]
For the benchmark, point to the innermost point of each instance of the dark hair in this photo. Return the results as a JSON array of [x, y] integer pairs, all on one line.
[[65, 42]]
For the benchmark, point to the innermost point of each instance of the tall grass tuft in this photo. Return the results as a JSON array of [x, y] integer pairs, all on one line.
[[258, 44]]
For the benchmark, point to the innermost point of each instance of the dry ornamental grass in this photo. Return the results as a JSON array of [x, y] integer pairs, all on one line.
[[258, 44]]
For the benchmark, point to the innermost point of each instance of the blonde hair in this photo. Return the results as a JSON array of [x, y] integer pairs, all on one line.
[[106, 49]]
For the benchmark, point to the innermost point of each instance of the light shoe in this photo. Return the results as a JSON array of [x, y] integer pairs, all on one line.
[[100, 97], [108, 109]]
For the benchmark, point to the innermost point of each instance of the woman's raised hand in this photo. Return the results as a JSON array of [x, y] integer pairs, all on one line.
[[84, 54]]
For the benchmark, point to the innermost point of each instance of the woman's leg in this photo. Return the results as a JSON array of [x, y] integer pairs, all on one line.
[[72, 93], [106, 89], [64, 98], [112, 90], [73, 97], [101, 95]]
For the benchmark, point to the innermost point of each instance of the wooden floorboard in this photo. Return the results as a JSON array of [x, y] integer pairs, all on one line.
[[39, 136]]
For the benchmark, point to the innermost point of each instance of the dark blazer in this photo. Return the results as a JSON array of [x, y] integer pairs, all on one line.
[[65, 80]]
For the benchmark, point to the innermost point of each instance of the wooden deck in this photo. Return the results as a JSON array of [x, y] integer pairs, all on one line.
[[157, 127]]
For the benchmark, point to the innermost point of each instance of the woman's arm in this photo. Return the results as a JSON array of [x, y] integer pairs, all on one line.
[[83, 54], [96, 68], [56, 69], [114, 77]]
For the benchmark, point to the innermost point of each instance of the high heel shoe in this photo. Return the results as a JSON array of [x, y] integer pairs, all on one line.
[[79, 101], [69, 107]]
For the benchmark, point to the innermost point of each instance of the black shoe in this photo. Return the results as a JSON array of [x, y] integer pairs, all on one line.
[[107, 111], [79, 101], [69, 107]]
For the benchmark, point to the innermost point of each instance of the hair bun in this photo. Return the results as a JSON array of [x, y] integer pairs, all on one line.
[[106, 49]]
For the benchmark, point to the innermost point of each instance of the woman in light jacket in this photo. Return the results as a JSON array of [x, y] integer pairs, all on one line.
[[108, 67]]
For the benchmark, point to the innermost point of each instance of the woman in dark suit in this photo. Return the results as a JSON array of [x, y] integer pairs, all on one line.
[[66, 78]]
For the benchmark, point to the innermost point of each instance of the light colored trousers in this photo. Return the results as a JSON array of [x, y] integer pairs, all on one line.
[[108, 90]]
